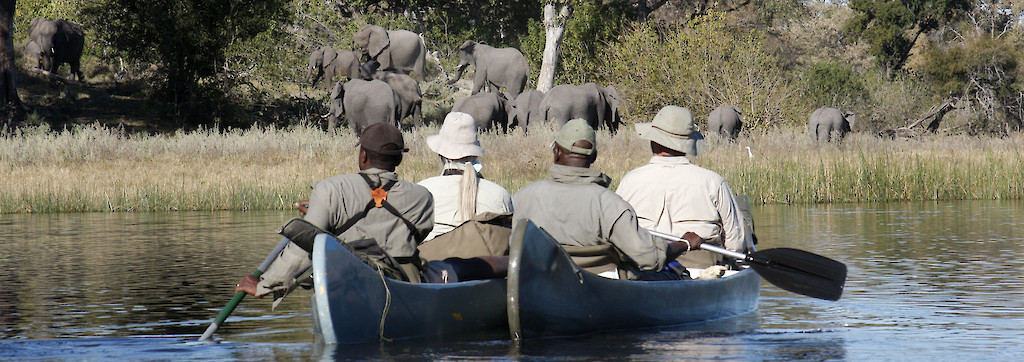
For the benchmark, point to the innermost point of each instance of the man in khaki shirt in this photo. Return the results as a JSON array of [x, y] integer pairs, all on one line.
[[576, 208], [672, 195]]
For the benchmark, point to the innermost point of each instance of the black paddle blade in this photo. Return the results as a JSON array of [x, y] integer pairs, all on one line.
[[801, 272]]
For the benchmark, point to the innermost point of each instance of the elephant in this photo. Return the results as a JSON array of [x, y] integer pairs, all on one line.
[[527, 109], [494, 67], [364, 102], [58, 41], [398, 49], [826, 120], [326, 63], [407, 88], [725, 120], [599, 106], [488, 109]]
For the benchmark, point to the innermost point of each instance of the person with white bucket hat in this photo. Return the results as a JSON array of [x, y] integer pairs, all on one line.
[[460, 193], [672, 195]]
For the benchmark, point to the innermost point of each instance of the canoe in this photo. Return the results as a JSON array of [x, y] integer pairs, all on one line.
[[549, 295], [352, 303]]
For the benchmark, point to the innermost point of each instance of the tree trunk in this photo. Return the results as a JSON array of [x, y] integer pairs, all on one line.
[[556, 15], [8, 72]]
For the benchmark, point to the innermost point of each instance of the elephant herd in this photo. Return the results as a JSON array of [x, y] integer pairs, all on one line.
[[55, 42], [384, 88]]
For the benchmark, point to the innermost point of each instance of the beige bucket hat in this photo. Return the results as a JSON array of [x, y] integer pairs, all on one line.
[[457, 137], [673, 128]]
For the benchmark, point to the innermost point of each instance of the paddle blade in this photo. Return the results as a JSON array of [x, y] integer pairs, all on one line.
[[801, 272]]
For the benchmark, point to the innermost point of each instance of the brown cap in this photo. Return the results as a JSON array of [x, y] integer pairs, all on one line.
[[383, 138]]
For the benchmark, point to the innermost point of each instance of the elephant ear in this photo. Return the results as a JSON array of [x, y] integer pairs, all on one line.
[[378, 41], [337, 102], [850, 118], [612, 98]]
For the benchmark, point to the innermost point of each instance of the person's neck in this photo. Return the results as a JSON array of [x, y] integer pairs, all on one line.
[[573, 162]]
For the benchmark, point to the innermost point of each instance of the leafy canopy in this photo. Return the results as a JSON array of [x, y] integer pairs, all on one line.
[[892, 27]]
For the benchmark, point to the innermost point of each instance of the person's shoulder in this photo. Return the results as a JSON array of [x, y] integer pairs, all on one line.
[[433, 181], [492, 186]]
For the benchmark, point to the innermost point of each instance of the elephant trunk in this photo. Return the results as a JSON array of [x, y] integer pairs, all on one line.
[[458, 73]]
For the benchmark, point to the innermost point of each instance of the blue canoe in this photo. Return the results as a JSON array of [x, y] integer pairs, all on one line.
[[549, 295], [352, 303]]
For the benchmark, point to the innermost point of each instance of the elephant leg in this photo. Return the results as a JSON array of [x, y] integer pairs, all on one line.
[[478, 83], [417, 113]]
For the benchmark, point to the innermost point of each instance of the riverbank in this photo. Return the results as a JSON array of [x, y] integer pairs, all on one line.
[[92, 168]]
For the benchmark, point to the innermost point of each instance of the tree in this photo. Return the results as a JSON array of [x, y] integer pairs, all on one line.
[[556, 15], [9, 98], [892, 27], [187, 39]]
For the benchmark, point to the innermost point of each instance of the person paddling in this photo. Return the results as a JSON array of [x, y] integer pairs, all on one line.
[[576, 208], [672, 195], [343, 206]]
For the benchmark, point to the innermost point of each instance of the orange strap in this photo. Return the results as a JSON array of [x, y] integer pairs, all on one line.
[[379, 196]]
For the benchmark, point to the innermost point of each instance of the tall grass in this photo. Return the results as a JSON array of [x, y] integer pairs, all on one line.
[[91, 168]]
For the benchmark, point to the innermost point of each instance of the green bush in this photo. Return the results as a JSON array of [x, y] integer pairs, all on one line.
[[590, 30], [701, 66], [835, 84]]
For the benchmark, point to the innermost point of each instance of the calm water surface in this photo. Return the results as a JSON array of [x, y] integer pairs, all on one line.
[[928, 281]]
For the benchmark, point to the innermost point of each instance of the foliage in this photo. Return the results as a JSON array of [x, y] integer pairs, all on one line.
[[187, 39], [593, 25], [893, 26], [700, 67], [984, 71], [834, 84]]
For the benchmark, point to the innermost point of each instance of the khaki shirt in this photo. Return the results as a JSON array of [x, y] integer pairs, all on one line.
[[490, 197], [337, 199], [577, 209], [673, 196]]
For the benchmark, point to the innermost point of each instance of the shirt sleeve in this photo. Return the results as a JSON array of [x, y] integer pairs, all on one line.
[[320, 212], [732, 221], [647, 251]]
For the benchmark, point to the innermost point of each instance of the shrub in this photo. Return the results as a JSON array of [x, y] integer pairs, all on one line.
[[701, 67]]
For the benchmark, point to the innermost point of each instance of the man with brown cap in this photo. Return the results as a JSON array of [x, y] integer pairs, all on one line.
[[339, 205], [672, 195], [576, 208]]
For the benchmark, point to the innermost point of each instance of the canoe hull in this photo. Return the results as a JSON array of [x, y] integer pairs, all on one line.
[[548, 295], [352, 303]]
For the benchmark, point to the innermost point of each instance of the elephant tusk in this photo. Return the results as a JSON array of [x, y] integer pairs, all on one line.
[[328, 114]]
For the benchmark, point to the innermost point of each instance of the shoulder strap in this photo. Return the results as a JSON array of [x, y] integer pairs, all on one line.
[[380, 199]]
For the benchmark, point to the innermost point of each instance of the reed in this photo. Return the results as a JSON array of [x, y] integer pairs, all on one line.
[[92, 168]]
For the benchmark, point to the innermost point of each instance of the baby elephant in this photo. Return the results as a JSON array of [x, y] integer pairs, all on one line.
[[725, 121], [826, 120]]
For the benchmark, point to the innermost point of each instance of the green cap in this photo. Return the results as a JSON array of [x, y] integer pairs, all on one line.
[[577, 130]]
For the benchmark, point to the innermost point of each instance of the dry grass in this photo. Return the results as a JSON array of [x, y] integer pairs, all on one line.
[[91, 168]]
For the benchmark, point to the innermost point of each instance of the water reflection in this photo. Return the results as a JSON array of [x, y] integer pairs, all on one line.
[[934, 280]]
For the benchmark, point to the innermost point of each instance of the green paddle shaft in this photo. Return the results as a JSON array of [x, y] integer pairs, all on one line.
[[224, 313]]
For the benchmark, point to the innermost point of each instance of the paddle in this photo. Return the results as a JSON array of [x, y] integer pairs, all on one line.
[[794, 270], [224, 313]]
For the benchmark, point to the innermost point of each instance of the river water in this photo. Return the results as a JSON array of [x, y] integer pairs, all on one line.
[[927, 281]]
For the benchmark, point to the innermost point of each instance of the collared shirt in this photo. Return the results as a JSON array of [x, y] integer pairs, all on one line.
[[672, 195], [337, 199], [490, 197], [577, 209]]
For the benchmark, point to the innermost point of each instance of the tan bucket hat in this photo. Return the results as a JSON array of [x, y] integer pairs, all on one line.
[[457, 137], [673, 128]]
